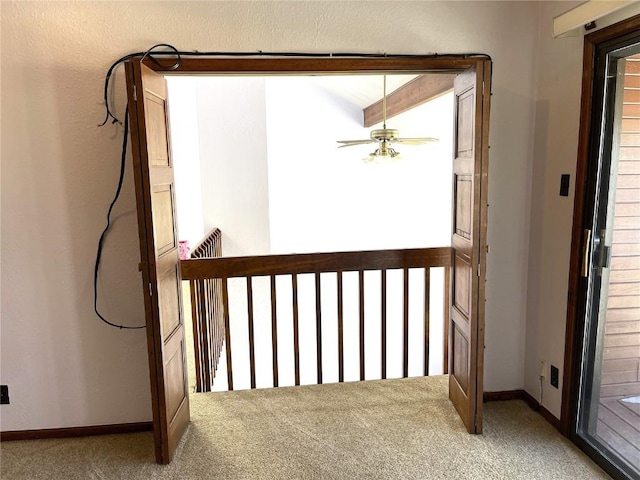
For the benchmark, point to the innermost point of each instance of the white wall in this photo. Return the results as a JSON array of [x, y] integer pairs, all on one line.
[[235, 187], [324, 198], [62, 366], [185, 148], [559, 66]]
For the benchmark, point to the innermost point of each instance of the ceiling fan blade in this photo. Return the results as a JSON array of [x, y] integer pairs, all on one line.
[[349, 143], [415, 141]]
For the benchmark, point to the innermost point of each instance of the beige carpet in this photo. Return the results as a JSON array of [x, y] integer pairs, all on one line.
[[393, 429]]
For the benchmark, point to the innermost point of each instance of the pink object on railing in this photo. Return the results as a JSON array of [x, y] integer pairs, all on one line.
[[183, 250]]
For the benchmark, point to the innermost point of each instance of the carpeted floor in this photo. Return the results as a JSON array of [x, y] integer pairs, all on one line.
[[391, 429]]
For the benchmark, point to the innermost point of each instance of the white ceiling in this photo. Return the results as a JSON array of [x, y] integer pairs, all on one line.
[[360, 90]]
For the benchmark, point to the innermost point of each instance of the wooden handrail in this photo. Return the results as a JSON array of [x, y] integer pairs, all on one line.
[[230, 267], [206, 246], [207, 315], [213, 275]]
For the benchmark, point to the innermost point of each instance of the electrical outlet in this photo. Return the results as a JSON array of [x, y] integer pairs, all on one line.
[[555, 374], [543, 369], [4, 394]]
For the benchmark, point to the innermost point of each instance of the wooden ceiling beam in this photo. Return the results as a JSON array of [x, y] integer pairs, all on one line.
[[416, 92]]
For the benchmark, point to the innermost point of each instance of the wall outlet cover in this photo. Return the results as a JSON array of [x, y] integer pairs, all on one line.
[[4, 395], [555, 376]]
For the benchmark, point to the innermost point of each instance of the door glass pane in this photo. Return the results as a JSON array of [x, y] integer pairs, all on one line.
[[609, 405]]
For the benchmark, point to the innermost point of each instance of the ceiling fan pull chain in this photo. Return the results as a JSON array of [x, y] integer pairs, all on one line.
[[384, 101]]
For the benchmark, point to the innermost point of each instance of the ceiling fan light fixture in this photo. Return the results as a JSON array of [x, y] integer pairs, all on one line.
[[384, 136], [385, 152]]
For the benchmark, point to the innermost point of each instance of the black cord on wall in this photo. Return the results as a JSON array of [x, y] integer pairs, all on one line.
[[122, 170], [106, 229]]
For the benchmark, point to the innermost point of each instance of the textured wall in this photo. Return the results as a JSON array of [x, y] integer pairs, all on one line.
[[323, 198], [185, 148], [559, 83], [63, 367], [235, 186]]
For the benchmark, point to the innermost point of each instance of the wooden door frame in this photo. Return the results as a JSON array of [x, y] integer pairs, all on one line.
[[575, 300], [409, 64]]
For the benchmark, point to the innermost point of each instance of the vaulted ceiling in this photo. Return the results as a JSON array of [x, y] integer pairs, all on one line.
[[403, 91]]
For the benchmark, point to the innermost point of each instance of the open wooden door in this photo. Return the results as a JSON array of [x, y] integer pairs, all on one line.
[[466, 323], [155, 197]]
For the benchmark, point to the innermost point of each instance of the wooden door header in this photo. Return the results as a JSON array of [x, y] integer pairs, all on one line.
[[306, 65]]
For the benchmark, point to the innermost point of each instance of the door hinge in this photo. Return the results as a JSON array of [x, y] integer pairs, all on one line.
[[150, 290], [135, 94]]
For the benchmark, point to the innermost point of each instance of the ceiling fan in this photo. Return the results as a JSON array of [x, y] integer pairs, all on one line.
[[384, 136]]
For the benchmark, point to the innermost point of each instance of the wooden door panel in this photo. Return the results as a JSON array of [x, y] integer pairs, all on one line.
[[163, 208], [467, 271], [155, 197], [462, 285], [176, 390], [170, 301], [464, 140], [463, 201], [460, 365], [175, 373], [157, 131]]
